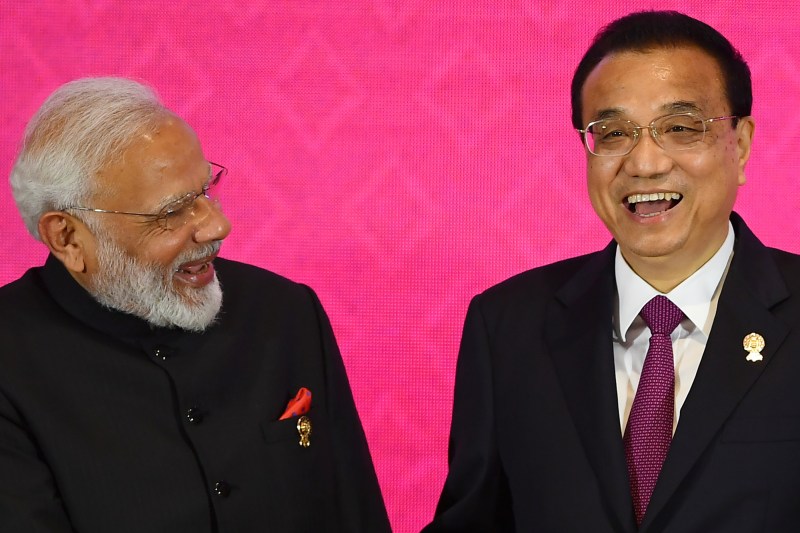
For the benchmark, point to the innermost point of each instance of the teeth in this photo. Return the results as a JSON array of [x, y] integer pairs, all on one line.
[[194, 269], [652, 197]]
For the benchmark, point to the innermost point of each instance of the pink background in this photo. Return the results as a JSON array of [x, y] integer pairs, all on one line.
[[397, 155]]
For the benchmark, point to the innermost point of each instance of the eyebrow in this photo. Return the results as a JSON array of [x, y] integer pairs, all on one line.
[[168, 201], [611, 112], [679, 106]]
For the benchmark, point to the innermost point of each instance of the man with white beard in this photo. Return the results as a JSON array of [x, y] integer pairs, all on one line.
[[132, 399]]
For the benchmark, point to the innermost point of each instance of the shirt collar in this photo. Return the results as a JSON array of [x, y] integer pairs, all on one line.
[[693, 296]]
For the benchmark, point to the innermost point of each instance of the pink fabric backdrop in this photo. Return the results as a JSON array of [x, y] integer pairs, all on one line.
[[397, 155]]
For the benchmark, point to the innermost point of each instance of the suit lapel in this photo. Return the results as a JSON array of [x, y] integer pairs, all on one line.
[[584, 362], [752, 287]]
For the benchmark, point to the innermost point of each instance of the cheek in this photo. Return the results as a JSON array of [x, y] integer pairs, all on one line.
[[600, 173], [721, 161], [161, 251], [726, 148], [600, 195]]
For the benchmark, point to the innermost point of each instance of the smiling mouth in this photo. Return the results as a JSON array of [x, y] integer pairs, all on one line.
[[651, 204], [195, 269], [195, 274]]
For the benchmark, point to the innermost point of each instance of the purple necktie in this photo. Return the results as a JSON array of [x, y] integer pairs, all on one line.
[[649, 430]]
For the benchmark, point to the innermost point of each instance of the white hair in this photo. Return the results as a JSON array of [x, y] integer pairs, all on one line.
[[81, 128], [146, 290]]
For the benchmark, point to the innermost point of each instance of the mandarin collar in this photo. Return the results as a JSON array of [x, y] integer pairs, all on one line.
[[79, 303]]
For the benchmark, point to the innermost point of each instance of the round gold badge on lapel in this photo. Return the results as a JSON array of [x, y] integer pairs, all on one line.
[[753, 344]]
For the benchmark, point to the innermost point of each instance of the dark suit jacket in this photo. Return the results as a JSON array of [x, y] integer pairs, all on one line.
[[110, 426], [535, 440]]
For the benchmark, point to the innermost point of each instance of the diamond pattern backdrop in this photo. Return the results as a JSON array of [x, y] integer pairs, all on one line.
[[398, 156]]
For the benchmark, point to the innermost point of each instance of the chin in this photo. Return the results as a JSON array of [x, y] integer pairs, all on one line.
[[653, 247], [193, 309]]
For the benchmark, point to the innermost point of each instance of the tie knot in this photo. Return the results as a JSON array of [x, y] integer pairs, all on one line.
[[661, 315]]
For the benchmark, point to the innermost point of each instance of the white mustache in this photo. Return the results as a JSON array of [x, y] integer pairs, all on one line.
[[205, 250]]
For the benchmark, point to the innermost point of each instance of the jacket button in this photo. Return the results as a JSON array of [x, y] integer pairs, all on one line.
[[222, 489], [194, 415]]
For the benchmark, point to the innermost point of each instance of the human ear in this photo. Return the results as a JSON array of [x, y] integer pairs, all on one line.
[[744, 130], [67, 238]]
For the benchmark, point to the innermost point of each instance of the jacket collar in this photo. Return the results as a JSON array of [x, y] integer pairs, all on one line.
[[753, 287], [584, 362], [578, 336], [79, 303]]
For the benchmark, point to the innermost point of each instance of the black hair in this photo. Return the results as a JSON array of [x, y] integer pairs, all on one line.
[[648, 30]]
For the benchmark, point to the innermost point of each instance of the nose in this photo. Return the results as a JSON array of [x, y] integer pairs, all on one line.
[[211, 224], [647, 159]]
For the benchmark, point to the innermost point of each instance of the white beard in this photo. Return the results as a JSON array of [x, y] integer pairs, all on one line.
[[147, 291]]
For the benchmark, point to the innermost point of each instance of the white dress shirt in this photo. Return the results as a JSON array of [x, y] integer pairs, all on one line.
[[697, 297]]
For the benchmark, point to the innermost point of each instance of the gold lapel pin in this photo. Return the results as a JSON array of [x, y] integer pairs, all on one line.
[[753, 344], [304, 429]]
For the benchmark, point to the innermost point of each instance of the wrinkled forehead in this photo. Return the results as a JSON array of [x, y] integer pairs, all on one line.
[[160, 163], [654, 81]]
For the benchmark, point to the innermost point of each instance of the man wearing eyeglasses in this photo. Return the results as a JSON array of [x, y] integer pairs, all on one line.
[[654, 385], [147, 385]]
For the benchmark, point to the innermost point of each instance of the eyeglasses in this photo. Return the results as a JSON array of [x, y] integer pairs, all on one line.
[[177, 213], [615, 137]]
